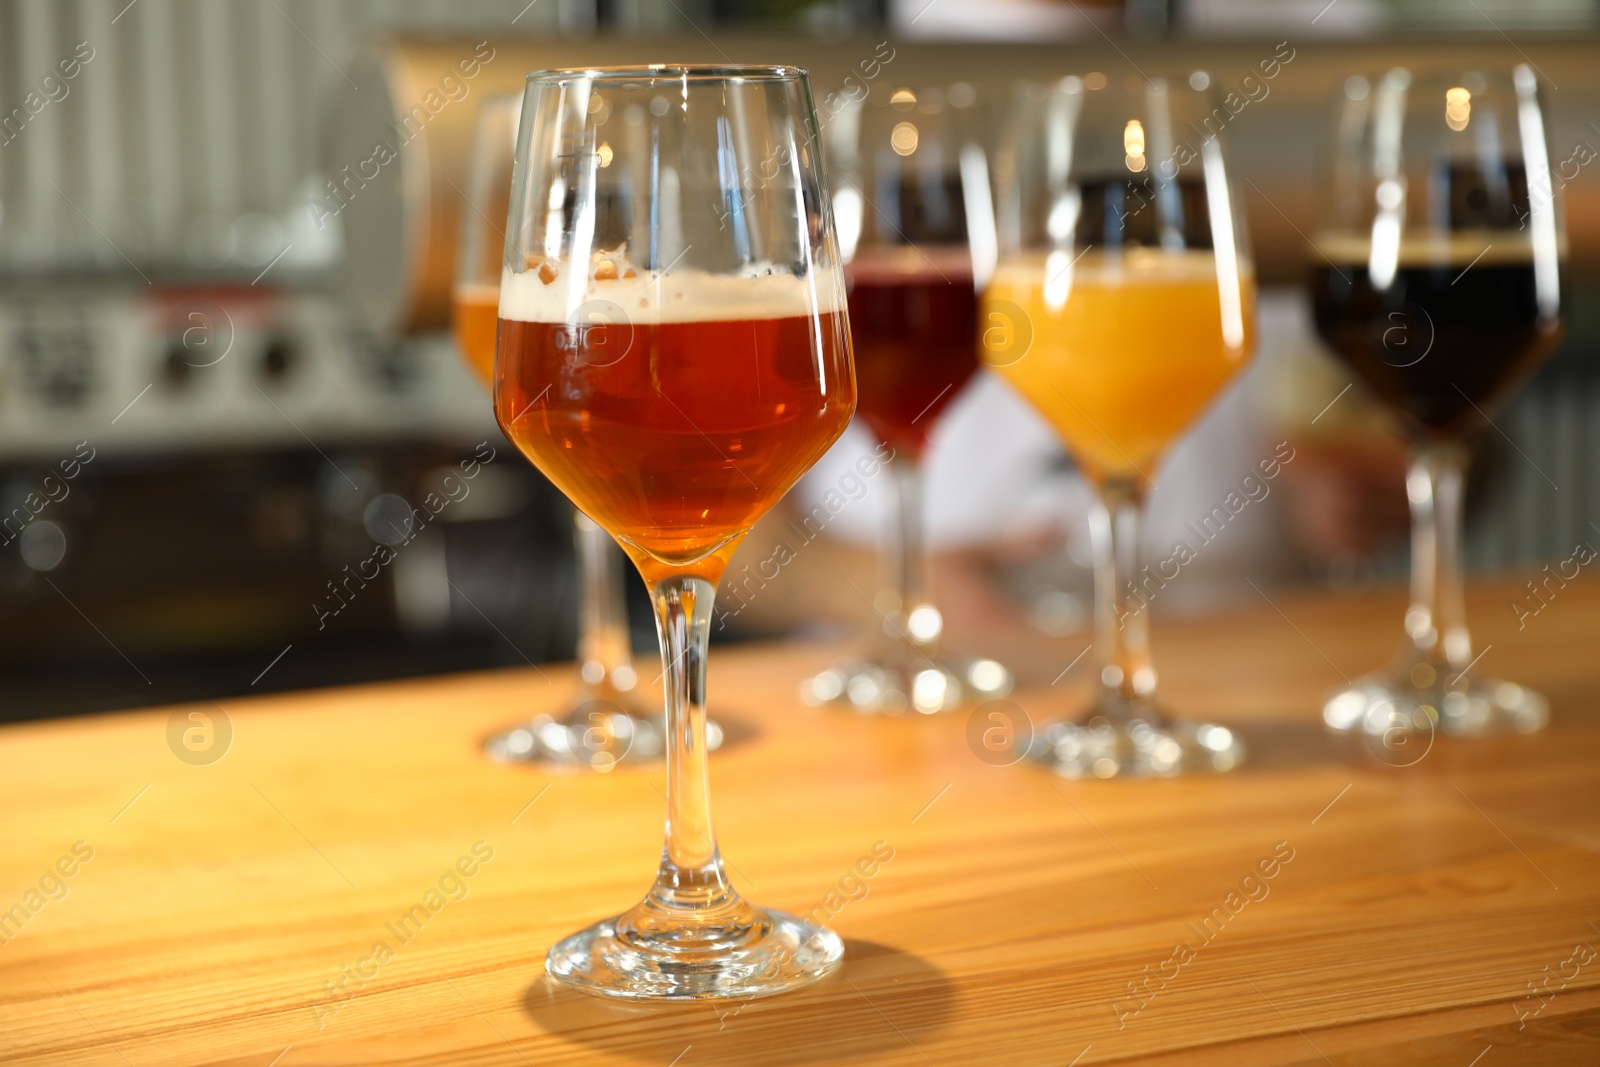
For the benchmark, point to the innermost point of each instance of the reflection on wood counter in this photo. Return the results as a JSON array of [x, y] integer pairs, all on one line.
[[351, 883]]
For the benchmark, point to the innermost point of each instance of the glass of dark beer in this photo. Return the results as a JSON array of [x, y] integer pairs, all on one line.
[[1439, 280], [911, 193], [674, 354]]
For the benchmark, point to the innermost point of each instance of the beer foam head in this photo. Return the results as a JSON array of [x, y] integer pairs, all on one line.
[[1428, 247], [911, 265], [550, 293]]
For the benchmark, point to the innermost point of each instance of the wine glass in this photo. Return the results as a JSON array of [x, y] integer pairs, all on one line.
[[910, 184], [1437, 279], [673, 355], [604, 723], [1122, 305], [481, 234]]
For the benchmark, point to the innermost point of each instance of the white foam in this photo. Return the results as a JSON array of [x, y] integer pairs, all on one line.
[[1135, 266], [650, 298]]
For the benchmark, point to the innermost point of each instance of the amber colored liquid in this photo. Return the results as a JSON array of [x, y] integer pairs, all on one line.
[[1127, 358], [676, 437], [914, 323], [474, 318]]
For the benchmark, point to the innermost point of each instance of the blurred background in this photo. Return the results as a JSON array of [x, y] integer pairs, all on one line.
[[226, 240]]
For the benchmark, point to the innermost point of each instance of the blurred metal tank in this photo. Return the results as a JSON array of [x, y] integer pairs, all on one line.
[[394, 169], [166, 274]]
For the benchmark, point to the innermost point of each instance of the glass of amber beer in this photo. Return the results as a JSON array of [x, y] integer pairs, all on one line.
[[674, 354], [911, 194], [604, 723], [1123, 303], [480, 234]]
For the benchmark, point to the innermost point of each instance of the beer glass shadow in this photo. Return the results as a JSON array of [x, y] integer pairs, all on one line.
[[882, 1000]]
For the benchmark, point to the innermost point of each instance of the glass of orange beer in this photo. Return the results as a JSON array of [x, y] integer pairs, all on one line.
[[1122, 304], [605, 722], [674, 354]]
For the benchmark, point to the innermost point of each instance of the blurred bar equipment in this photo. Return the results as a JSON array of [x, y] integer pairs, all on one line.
[[261, 395], [174, 324]]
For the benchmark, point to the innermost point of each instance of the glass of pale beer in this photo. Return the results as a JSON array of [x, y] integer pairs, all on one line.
[[1122, 305]]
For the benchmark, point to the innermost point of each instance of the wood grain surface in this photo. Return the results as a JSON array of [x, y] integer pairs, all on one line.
[[232, 912]]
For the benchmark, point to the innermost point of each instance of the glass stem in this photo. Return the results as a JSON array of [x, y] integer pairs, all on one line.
[[1437, 618], [1127, 680], [691, 874], [906, 559], [604, 645]]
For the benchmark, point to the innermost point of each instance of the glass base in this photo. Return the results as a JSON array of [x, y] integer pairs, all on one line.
[[1399, 718], [1135, 747], [758, 954], [926, 686], [596, 733]]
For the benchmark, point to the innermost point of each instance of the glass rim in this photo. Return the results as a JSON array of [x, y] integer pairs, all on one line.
[[671, 72], [1519, 77], [1441, 69], [1037, 88], [866, 103]]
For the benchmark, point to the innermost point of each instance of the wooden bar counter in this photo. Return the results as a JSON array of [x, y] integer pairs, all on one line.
[[353, 884]]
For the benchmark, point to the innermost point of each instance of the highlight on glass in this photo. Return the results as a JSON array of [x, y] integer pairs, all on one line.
[[604, 722], [1438, 279], [916, 228], [673, 355], [1123, 303]]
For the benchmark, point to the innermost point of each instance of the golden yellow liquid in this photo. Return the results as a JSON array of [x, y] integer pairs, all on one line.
[[475, 318], [1120, 353]]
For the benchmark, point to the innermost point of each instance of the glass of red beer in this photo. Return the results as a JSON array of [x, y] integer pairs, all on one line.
[[911, 194], [673, 354]]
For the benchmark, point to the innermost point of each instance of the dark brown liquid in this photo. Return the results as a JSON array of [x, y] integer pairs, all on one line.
[[1443, 345], [676, 437], [915, 340]]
